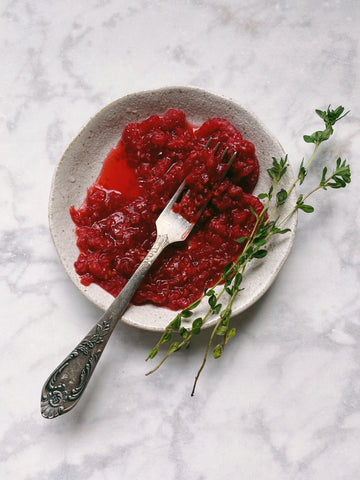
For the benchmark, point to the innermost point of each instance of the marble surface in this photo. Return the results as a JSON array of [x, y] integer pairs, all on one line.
[[284, 400]]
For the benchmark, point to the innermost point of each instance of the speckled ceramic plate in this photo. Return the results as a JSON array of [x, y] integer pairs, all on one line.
[[82, 161]]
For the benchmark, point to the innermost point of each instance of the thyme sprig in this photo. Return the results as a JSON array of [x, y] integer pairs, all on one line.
[[267, 224]]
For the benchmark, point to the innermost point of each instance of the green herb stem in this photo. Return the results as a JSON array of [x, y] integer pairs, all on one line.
[[264, 227]]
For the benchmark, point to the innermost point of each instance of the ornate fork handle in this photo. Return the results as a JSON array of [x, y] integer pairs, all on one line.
[[66, 384]]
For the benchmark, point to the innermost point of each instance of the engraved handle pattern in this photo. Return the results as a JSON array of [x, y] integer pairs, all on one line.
[[66, 384]]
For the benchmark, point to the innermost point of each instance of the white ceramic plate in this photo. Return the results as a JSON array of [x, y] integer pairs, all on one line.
[[82, 161]]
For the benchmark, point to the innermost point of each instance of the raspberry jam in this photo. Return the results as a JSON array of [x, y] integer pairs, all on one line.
[[115, 225]]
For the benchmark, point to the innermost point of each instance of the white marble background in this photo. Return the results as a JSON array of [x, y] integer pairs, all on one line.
[[284, 401]]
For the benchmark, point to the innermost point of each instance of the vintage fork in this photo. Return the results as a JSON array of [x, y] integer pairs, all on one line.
[[65, 385]]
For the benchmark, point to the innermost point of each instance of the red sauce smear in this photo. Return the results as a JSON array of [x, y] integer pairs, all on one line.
[[115, 226]]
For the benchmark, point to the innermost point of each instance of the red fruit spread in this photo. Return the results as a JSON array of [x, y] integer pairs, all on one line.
[[115, 226]]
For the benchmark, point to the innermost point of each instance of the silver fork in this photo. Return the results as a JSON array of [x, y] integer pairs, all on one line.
[[66, 384]]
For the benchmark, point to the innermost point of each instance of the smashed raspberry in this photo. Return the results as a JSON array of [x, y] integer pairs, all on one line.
[[115, 226]]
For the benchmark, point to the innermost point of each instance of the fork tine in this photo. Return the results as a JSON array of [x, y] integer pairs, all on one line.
[[217, 146], [174, 197], [224, 153], [232, 158], [207, 144]]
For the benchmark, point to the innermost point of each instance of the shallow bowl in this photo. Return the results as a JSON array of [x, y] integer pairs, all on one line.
[[82, 162]]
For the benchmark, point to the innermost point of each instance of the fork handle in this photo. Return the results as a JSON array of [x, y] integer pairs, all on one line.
[[66, 384]]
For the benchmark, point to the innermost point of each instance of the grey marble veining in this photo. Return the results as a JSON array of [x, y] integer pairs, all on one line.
[[284, 400]]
